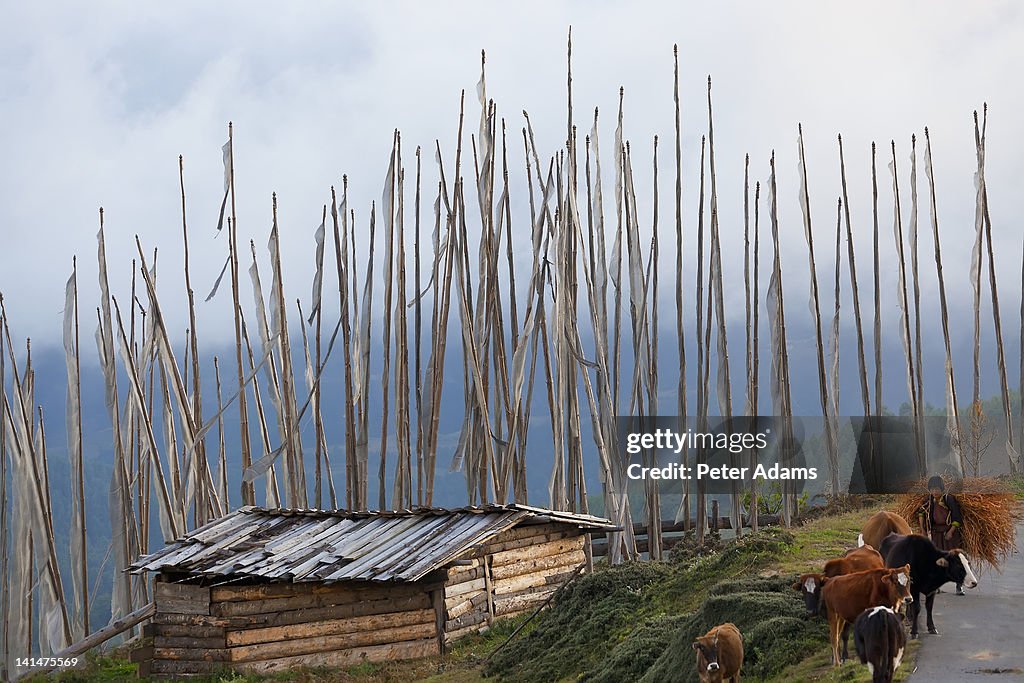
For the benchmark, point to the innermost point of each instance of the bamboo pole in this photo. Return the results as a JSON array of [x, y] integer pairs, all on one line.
[[5, 572], [780, 388], [402, 495], [1011, 451], [73, 419], [203, 506], [418, 336], [248, 491], [905, 311], [952, 409], [722, 374], [748, 409], [823, 393], [918, 362], [701, 513], [861, 361], [755, 360], [387, 212], [681, 398], [342, 264], [877, 337], [106, 343]]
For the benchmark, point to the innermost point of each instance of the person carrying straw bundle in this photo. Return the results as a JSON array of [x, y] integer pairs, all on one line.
[[940, 519]]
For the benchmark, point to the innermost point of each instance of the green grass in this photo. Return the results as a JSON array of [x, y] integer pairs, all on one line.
[[818, 669]]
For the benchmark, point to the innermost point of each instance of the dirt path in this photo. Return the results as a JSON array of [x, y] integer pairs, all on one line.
[[982, 634]]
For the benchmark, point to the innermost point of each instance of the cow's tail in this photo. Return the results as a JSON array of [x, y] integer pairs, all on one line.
[[884, 671], [860, 540]]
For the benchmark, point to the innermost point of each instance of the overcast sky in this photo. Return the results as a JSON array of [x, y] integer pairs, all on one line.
[[98, 100]]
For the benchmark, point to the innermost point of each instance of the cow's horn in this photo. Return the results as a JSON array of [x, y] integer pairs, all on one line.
[[942, 562]]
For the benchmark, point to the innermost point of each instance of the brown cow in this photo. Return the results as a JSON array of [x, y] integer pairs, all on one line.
[[720, 654], [880, 525], [855, 560], [847, 596]]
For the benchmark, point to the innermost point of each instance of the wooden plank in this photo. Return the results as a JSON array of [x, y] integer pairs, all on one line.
[[328, 627], [345, 658], [463, 575], [163, 619], [182, 591], [182, 606], [304, 646], [523, 600], [465, 588], [176, 598], [315, 599], [489, 586], [183, 630], [571, 558], [440, 614], [478, 601], [189, 642], [469, 619], [562, 545], [271, 590], [191, 654], [349, 611], [503, 546], [553, 576], [531, 530]]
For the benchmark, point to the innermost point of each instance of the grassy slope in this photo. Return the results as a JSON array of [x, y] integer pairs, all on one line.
[[625, 621]]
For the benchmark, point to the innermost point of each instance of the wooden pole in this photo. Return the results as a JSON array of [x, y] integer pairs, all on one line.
[[952, 409], [248, 491], [101, 636]]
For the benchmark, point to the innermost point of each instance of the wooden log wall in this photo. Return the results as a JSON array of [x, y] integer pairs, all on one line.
[[273, 627], [516, 572]]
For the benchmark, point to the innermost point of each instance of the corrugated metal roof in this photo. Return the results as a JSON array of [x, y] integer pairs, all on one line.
[[317, 545]]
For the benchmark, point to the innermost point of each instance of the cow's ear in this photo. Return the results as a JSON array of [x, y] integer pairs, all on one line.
[[942, 562], [696, 646]]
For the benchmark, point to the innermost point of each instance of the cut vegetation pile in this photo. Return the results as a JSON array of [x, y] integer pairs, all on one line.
[[990, 510], [637, 622]]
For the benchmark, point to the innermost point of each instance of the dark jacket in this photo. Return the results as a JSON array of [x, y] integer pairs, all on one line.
[[947, 501]]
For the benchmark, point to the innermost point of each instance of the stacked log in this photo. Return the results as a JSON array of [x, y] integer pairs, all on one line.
[[273, 627], [514, 573], [525, 577]]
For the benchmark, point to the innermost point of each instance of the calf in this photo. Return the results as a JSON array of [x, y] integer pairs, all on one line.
[[719, 654], [855, 560], [847, 596], [880, 525], [879, 640], [930, 568]]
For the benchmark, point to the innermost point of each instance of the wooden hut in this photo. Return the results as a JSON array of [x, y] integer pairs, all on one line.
[[265, 590]]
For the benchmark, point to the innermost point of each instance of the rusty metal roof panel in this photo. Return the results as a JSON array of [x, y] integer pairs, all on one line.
[[338, 545]]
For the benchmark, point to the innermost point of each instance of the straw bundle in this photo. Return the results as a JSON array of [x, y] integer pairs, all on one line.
[[990, 512]]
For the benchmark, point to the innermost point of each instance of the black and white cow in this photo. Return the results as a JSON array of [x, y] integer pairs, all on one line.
[[930, 568], [879, 638]]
